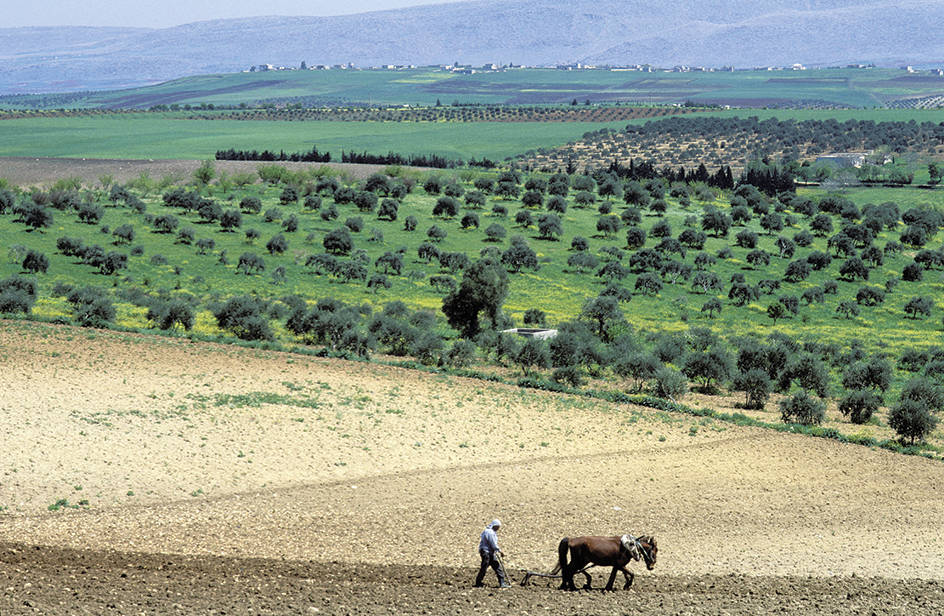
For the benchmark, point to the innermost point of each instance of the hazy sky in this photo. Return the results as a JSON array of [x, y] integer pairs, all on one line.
[[165, 13]]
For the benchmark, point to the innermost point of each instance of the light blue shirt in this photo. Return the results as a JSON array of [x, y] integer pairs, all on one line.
[[489, 541]]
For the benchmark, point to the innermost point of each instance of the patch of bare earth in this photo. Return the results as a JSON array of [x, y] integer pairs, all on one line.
[[223, 480]]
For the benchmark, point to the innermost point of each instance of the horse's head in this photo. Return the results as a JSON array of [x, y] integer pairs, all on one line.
[[649, 551]]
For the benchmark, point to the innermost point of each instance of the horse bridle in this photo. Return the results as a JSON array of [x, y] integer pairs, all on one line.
[[646, 554]]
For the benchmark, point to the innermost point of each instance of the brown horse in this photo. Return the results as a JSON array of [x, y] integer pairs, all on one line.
[[613, 552]]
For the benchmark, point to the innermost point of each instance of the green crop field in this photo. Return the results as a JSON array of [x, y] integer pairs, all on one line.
[[144, 136], [175, 135], [843, 87]]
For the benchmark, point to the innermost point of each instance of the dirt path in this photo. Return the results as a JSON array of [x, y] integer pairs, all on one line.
[[244, 481]]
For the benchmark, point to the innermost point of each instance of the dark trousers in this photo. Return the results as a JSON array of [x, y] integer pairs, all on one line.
[[490, 560]]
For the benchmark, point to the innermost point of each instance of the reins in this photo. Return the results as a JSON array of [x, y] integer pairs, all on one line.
[[646, 554]]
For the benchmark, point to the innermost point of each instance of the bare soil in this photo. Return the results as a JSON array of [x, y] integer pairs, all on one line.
[[199, 478]]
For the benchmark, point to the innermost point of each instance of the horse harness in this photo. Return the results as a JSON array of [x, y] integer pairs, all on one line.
[[632, 546]]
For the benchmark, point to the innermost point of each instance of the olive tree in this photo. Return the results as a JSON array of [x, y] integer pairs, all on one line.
[[478, 301]]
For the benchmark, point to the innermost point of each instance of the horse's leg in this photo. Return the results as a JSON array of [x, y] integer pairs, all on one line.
[[628, 575], [587, 575], [609, 584], [567, 578], [577, 563]]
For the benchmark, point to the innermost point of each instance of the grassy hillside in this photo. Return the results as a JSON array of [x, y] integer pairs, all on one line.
[[556, 288]]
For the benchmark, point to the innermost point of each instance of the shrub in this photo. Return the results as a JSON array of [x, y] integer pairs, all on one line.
[[746, 239], [924, 391], [289, 195], [756, 385], [557, 204], [475, 199], [329, 212], [36, 262], [550, 225], [17, 295], [670, 384], [168, 315], [338, 241], [859, 405], [462, 354], [165, 223], [186, 236], [568, 375], [915, 306], [495, 232], [312, 202], [802, 409], [432, 185], [913, 272], [470, 221], [291, 223], [277, 244], [243, 316], [635, 238], [533, 316], [713, 365], [91, 213], [436, 233], [124, 234], [251, 205], [91, 307], [911, 419], [389, 209], [354, 223], [112, 262]]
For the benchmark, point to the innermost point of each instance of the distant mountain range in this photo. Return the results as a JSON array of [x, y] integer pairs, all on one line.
[[709, 33]]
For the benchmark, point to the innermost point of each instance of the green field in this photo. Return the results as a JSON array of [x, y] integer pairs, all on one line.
[[175, 135], [144, 136], [860, 88]]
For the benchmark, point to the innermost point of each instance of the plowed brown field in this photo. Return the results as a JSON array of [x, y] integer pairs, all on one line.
[[196, 478]]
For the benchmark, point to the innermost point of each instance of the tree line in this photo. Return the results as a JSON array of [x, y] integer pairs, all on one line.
[[311, 156], [432, 161]]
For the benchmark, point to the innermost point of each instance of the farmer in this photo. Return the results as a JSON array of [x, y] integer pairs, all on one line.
[[490, 553]]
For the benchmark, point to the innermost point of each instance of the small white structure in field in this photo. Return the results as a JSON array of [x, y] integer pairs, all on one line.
[[533, 332]]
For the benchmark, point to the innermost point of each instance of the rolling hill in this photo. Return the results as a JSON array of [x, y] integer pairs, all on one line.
[[529, 32]]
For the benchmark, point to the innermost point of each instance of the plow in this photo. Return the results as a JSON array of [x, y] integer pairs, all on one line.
[[528, 574]]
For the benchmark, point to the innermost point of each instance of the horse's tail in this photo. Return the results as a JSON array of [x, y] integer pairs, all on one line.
[[562, 554]]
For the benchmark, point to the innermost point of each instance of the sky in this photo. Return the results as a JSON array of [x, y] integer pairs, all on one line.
[[166, 13]]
